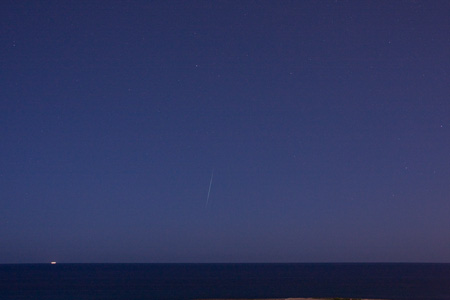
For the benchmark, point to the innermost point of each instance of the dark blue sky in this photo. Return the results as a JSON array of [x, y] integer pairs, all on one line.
[[327, 125]]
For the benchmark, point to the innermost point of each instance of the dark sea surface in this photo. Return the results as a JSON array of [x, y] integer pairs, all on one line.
[[193, 281]]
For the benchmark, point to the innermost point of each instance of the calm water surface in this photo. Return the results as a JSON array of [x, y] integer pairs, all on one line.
[[191, 281]]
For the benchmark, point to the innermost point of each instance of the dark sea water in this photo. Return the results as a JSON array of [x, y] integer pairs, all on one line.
[[193, 281]]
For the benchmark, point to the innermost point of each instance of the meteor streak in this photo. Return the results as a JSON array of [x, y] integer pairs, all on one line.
[[209, 190]]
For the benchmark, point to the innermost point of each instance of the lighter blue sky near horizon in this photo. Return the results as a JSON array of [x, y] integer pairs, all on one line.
[[327, 125]]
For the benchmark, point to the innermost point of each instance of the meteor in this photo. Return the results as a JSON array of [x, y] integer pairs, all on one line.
[[209, 190]]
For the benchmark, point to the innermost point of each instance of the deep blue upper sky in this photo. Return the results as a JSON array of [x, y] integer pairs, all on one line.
[[326, 124]]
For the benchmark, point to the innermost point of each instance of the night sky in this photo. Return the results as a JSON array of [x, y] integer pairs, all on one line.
[[325, 125]]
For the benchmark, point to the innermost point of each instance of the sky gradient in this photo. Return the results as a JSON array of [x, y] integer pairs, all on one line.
[[326, 124]]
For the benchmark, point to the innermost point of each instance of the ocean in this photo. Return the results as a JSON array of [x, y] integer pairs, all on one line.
[[196, 281]]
